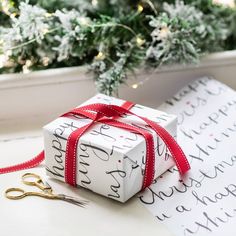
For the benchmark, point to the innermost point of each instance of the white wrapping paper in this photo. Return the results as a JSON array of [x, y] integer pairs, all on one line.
[[110, 160]]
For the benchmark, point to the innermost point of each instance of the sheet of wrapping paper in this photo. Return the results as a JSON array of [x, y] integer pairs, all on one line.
[[204, 201]]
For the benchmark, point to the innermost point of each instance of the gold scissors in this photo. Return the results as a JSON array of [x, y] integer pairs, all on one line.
[[47, 192]]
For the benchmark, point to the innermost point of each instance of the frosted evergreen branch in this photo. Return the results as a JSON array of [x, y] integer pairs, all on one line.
[[113, 36], [30, 41], [110, 24]]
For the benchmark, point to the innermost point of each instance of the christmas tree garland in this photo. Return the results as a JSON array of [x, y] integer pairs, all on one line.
[[113, 37]]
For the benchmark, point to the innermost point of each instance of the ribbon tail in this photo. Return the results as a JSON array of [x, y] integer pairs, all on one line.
[[24, 165]]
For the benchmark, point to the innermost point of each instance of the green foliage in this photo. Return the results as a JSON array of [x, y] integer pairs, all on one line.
[[113, 37]]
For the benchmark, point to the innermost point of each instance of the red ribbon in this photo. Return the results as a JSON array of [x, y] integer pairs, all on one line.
[[24, 165], [107, 114]]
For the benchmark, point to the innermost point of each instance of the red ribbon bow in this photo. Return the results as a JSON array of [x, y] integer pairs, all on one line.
[[107, 114]]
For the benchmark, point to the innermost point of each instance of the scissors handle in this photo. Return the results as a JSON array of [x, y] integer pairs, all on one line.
[[18, 193], [34, 180], [15, 193]]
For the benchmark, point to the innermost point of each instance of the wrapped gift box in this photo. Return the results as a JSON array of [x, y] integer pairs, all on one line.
[[110, 160]]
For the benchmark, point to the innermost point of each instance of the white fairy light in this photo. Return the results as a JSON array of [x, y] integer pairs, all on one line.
[[140, 41], [4, 57], [45, 30], [142, 82], [25, 70], [5, 6], [47, 14], [227, 3], [25, 67], [164, 32], [100, 56], [134, 86], [94, 3], [13, 15], [28, 63], [83, 20], [140, 8], [45, 61]]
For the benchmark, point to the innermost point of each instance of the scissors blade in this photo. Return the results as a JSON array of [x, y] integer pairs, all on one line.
[[47, 189], [47, 185], [73, 200]]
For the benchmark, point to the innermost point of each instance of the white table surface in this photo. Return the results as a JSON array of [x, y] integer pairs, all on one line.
[[37, 216]]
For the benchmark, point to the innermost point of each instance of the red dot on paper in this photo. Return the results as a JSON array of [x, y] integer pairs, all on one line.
[[180, 180], [121, 136], [119, 161], [161, 176], [188, 103]]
